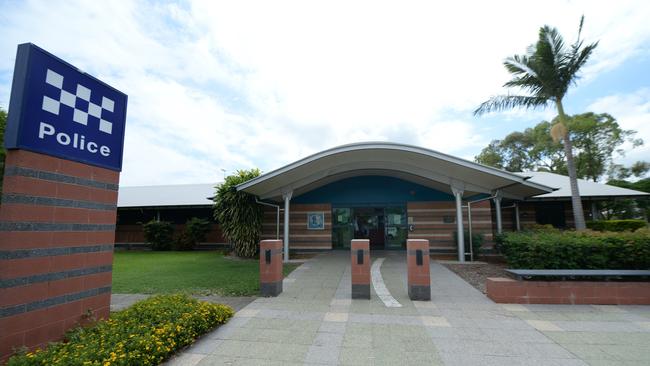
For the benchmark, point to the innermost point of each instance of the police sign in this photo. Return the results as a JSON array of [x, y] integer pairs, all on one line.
[[58, 110]]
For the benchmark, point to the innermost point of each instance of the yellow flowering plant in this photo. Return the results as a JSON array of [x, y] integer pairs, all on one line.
[[146, 333]]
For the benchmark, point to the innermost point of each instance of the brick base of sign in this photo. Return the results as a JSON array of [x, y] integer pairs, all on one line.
[[271, 289], [419, 293], [271, 267], [361, 291], [509, 291], [57, 230]]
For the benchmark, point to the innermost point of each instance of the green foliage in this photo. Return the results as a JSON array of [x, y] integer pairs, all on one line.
[[595, 139], [554, 249], [477, 241], [545, 72], [238, 215], [616, 225], [195, 232], [146, 333], [638, 208], [159, 234]]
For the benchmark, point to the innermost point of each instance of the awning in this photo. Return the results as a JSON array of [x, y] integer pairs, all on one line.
[[411, 163]]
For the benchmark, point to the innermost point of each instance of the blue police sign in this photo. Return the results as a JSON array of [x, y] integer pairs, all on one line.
[[58, 110]]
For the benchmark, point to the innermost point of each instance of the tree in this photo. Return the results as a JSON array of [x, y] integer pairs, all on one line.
[[544, 75], [628, 208], [238, 215], [596, 137]]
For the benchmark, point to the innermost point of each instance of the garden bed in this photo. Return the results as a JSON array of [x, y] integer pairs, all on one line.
[[146, 333], [476, 274]]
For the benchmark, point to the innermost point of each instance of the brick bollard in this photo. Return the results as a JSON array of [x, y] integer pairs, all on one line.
[[419, 282], [270, 267], [360, 261]]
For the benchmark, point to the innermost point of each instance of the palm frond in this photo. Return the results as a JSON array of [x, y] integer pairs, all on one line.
[[503, 102]]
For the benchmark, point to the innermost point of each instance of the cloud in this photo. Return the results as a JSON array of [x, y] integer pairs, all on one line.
[[632, 111], [230, 85]]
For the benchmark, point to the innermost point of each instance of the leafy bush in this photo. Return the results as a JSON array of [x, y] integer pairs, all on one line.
[[577, 250], [159, 234], [145, 334], [238, 215], [195, 232], [477, 242], [616, 225]]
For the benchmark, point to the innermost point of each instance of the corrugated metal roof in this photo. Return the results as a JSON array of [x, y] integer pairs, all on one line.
[[587, 188], [168, 195], [197, 194]]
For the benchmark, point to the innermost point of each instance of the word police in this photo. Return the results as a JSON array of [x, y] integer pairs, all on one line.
[[76, 141]]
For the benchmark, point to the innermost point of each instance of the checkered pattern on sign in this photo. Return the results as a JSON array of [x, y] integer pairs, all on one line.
[[69, 99]]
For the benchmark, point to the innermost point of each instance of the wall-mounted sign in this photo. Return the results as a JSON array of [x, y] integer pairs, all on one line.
[[316, 221], [58, 110]]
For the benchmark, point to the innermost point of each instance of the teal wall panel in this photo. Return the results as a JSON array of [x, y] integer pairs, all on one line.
[[371, 191]]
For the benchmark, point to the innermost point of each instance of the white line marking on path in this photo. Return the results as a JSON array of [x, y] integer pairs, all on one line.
[[380, 287]]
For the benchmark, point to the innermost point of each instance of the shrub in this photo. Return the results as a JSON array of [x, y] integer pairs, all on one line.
[[238, 214], [617, 225], [159, 234], [195, 232], [477, 242], [577, 250], [144, 334]]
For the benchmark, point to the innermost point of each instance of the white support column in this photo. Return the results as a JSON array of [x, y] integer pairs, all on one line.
[[458, 194], [287, 198], [497, 205], [517, 223]]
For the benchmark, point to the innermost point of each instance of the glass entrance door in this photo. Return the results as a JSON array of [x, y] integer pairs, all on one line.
[[342, 227], [386, 227], [396, 227], [369, 224]]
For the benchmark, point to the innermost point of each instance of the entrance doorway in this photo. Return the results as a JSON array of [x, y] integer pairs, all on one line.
[[385, 227]]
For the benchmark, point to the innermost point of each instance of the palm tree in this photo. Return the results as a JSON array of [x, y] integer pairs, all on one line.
[[544, 75]]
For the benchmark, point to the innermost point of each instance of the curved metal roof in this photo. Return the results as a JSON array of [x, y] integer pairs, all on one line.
[[419, 165]]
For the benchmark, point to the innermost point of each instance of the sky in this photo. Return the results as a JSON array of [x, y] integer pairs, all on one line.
[[217, 86]]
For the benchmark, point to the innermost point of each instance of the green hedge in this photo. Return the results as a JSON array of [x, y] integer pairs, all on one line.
[[159, 234], [554, 249], [146, 333], [617, 225]]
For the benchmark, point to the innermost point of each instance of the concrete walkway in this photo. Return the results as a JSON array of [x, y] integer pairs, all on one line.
[[315, 322]]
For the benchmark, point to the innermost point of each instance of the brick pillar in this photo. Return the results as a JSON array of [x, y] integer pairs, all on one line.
[[271, 267], [360, 262], [417, 259], [57, 230]]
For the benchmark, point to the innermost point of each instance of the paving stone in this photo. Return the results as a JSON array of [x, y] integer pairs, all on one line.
[[328, 355], [185, 359], [434, 321], [544, 325], [335, 317]]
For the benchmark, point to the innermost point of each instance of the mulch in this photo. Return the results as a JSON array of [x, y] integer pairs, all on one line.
[[476, 274]]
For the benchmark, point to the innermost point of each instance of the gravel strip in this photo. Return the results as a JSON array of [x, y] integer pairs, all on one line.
[[476, 274]]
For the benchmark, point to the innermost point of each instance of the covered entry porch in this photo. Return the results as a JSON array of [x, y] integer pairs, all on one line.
[[317, 197]]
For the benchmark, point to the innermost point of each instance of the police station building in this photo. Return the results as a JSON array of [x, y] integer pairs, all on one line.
[[385, 192]]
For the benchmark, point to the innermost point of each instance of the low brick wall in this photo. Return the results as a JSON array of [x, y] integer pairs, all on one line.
[[509, 291]]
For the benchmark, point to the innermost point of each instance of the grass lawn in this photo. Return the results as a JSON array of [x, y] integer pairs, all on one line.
[[202, 273]]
